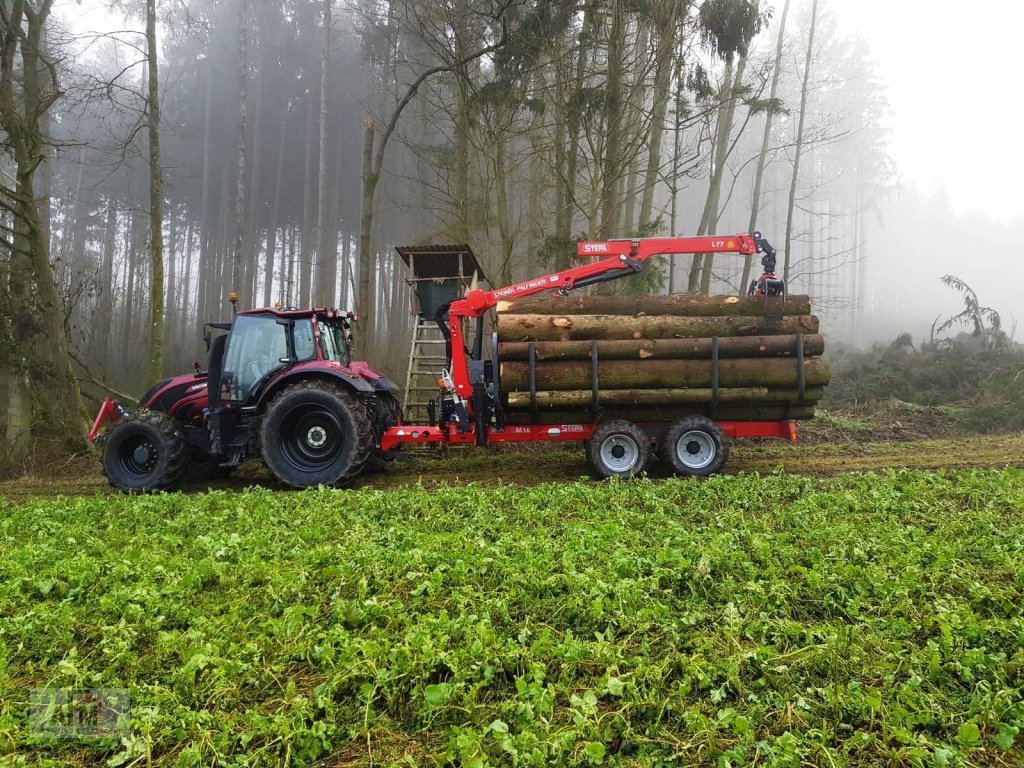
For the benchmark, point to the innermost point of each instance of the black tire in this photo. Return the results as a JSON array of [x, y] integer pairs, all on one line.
[[694, 447], [388, 415], [145, 452], [314, 433], [618, 449]]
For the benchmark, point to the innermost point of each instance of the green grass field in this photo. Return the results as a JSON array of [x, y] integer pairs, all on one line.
[[863, 619]]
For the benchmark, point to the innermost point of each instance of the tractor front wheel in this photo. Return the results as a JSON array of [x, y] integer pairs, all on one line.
[[144, 452], [314, 433]]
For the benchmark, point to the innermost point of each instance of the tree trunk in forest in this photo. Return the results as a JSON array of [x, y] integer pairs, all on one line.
[[611, 167], [39, 346], [664, 349], [238, 282], [156, 184], [775, 373], [667, 23], [635, 115], [573, 122], [677, 150], [326, 267], [312, 163], [794, 181], [268, 274], [207, 215], [103, 317], [684, 305], [370, 179], [762, 158], [577, 327], [700, 272]]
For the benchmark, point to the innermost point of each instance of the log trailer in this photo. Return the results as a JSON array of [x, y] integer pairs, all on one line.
[[281, 385]]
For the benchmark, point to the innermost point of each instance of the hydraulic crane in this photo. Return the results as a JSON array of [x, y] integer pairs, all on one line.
[[470, 403]]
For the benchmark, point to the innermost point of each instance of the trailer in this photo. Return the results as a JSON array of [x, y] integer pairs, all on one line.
[[281, 385]]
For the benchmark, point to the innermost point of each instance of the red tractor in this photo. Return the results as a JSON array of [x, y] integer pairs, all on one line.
[[280, 385]]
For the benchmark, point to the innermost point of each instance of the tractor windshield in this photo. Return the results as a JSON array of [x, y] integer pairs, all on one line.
[[257, 346], [332, 342]]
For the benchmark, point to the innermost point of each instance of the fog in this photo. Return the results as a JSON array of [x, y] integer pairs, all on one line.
[[885, 160]]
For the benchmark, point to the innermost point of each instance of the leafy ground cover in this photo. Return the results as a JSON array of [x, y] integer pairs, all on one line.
[[862, 619]]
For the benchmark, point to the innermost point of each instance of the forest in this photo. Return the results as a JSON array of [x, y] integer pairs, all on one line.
[[281, 150]]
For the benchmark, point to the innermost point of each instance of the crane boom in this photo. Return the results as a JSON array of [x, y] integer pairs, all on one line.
[[621, 258]]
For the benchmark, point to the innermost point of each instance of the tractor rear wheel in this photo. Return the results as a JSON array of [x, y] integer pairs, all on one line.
[[314, 433], [145, 452]]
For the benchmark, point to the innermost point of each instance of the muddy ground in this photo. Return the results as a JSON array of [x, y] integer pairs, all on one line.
[[875, 437]]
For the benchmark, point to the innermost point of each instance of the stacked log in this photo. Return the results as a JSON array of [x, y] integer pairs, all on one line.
[[660, 357]]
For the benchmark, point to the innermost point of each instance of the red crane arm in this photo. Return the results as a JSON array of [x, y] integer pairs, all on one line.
[[622, 258]]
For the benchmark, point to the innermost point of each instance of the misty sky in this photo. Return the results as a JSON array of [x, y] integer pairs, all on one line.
[[951, 70]]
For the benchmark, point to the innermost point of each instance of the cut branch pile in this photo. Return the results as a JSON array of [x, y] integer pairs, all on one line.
[[661, 357]]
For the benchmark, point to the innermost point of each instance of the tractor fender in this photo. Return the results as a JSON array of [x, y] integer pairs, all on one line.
[[346, 380], [384, 384]]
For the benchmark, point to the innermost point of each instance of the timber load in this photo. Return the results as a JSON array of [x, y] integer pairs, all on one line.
[[656, 358]]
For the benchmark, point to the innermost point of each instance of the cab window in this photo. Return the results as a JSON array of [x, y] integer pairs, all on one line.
[[256, 348], [305, 347], [332, 342]]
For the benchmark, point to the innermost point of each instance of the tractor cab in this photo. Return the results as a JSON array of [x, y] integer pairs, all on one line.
[[262, 343]]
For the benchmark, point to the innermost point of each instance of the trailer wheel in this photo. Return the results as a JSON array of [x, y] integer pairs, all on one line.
[[314, 433], [618, 449], [694, 447], [144, 452]]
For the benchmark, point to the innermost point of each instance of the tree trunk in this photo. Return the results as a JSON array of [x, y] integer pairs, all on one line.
[[584, 398], [662, 92], [794, 181], [326, 268], [585, 327], [309, 222], [238, 280], [40, 353], [664, 349], [156, 242], [762, 158], [727, 114], [268, 274], [665, 374], [653, 414], [684, 305], [370, 178], [573, 121], [611, 168]]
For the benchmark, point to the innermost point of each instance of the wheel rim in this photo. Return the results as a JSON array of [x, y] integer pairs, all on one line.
[[138, 456], [695, 449], [619, 453], [312, 437]]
